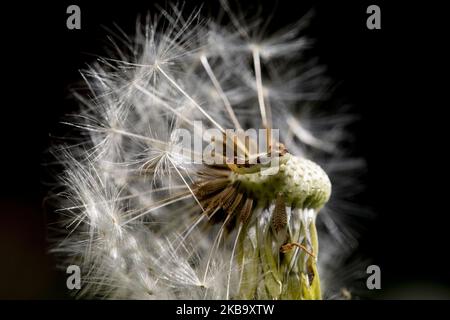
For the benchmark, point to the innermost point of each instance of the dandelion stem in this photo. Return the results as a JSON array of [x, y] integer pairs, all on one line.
[[190, 99], [187, 185], [214, 247], [259, 87], [164, 104], [236, 241], [166, 203]]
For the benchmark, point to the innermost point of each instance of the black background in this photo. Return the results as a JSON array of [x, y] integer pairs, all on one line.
[[386, 74]]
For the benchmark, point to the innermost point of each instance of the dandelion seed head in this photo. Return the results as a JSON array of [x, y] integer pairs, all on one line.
[[146, 221], [302, 182]]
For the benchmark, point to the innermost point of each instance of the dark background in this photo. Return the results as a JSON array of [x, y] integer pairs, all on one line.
[[385, 74]]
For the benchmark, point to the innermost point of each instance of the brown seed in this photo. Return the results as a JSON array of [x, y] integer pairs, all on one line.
[[279, 217], [246, 211], [212, 186]]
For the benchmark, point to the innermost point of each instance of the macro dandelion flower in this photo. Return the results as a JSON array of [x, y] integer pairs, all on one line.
[[202, 171]]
